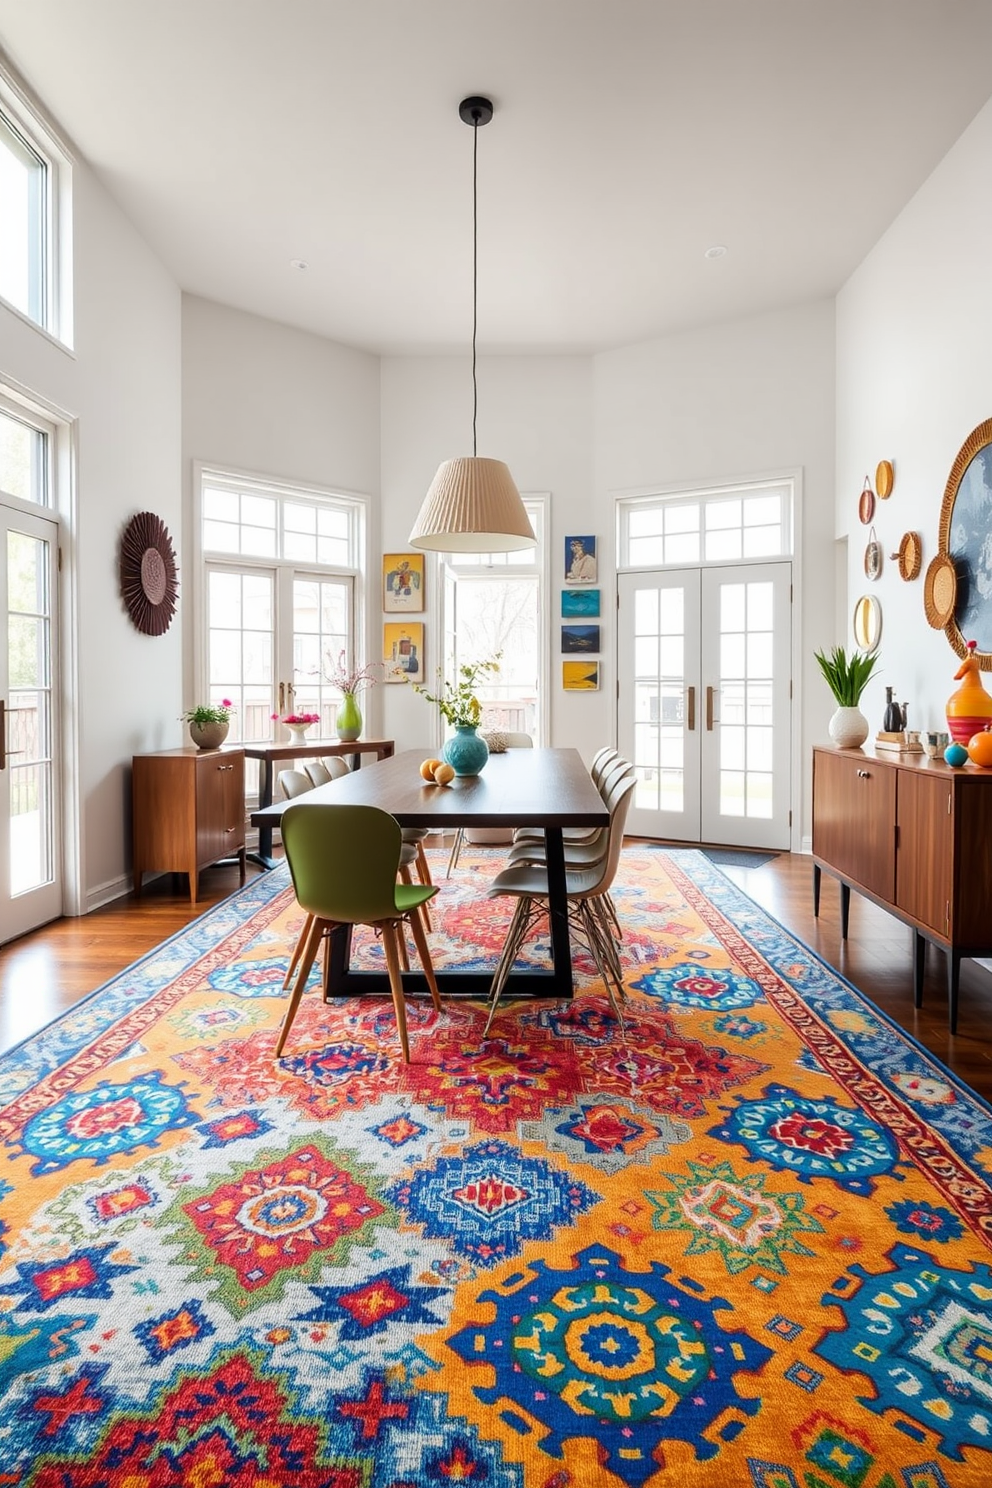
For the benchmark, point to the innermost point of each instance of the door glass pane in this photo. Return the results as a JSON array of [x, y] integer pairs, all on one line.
[[29, 713], [746, 689], [240, 650], [501, 614], [320, 634]]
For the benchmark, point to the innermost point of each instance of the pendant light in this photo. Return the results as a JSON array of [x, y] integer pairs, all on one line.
[[473, 505]]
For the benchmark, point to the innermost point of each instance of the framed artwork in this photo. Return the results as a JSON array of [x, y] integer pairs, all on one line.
[[580, 604], [580, 676], [403, 650], [402, 582], [580, 639], [964, 538], [580, 560]]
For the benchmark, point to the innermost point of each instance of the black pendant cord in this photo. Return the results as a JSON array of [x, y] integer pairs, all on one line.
[[475, 275]]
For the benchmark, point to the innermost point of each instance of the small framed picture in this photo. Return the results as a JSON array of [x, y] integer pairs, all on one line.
[[580, 640], [580, 676], [402, 582], [403, 650], [580, 560], [580, 604]]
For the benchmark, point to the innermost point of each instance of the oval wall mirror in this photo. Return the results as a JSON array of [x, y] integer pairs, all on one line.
[[867, 622], [964, 538]]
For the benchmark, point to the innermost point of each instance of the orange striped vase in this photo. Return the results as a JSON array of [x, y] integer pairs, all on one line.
[[969, 709]]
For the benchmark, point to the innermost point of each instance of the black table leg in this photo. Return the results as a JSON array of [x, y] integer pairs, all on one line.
[[561, 949], [919, 966], [817, 875], [263, 857], [845, 909]]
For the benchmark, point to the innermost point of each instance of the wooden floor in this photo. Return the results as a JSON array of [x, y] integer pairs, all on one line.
[[45, 973]]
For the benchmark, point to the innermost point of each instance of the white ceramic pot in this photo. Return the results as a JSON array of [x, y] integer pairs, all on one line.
[[848, 728]]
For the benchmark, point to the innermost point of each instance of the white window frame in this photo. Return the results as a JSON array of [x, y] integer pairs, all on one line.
[[538, 504], [710, 495], [356, 506], [39, 135]]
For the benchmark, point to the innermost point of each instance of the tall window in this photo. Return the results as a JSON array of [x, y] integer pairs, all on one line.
[[493, 602], [283, 570], [34, 217]]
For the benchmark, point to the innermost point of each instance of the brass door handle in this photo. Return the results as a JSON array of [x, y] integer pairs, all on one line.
[[691, 710], [709, 710]]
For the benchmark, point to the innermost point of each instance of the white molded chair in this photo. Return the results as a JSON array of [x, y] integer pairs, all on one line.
[[294, 783]]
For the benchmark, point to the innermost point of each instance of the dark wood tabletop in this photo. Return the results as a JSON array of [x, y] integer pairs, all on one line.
[[521, 788]]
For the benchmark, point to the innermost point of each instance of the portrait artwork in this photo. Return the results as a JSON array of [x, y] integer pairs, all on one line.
[[402, 582]]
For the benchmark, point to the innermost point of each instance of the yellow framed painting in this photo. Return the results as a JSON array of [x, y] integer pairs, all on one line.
[[403, 650], [402, 583], [580, 676]]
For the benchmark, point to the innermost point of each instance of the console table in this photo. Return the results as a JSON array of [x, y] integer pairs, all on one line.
[[914, 836], [270, 754]]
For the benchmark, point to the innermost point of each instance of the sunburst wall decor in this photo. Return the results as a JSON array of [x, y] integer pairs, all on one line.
[[149, 577]]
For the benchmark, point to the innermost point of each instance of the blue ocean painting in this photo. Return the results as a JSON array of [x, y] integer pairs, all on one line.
[[580, 604]]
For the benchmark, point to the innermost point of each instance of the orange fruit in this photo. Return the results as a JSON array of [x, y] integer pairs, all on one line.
[[980, 748], [427, 769], [444, 774]]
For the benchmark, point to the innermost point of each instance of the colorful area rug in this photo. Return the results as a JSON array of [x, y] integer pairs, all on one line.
[[743, 1240]]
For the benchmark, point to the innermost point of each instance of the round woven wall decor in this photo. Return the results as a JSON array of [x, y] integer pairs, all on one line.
[[149, 577]]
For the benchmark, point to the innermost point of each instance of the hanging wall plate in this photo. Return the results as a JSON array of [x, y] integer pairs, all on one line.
[[866, 504], [909, 556], [884, 479], [148, 574], [873, 557], [940, 588]]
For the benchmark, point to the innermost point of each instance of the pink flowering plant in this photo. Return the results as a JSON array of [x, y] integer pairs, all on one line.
[[209, 712], [299, 720], [348, 680]]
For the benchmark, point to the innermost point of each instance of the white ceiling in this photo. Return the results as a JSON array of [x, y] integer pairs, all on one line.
[[629, 136]]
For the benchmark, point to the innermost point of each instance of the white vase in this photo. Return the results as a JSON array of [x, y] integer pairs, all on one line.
[[848, 728], [298, 733]]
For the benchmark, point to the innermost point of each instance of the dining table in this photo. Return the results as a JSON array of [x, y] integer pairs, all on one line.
[[270, 755], [548, 788]]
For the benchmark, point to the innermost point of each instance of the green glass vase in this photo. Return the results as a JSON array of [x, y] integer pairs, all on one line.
[[348, 720]]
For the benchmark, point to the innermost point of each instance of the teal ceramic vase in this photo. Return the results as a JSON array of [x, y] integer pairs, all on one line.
[[348, 720], [465, 752]]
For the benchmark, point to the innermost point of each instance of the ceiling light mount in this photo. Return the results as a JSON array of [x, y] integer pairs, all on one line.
[[473, 505], [475, 111]]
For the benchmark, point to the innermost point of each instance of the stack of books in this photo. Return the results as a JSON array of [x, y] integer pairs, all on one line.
[[897, 741]]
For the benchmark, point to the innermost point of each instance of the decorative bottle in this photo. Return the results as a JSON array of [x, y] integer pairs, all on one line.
[[969, 709], [892, 722]]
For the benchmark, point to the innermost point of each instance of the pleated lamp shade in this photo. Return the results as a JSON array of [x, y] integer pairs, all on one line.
[[472, 506]]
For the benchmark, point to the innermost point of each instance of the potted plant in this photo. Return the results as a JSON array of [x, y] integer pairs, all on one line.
[[209, 723], [457, 701], [847, 676]]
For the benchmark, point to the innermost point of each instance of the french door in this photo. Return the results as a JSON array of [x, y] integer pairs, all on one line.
[[30, 861], [704, 702], [271, 631]]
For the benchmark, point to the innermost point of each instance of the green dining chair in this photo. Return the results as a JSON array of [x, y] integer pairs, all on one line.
[[343, 861]]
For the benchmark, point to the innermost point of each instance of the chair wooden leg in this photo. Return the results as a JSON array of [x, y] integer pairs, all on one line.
[[423, 951], [294, 959], [391, 948], [424, 874], [307, 957]]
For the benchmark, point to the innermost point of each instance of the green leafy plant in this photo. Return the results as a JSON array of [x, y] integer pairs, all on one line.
[[846, 676], [456, 699], [209, 712]]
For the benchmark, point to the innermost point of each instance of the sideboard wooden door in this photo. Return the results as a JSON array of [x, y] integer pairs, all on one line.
[[854, 813], [189, 811], [924, 885]]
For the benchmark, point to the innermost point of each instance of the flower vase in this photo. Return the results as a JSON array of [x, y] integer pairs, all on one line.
[[848, 727], [298, 733], [348, 720], [465, 752], [208, 735]]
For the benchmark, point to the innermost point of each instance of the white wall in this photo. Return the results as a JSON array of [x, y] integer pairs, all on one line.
[[264, 399], [912, 382], [120, 388], [724, 403], [536, 414]]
